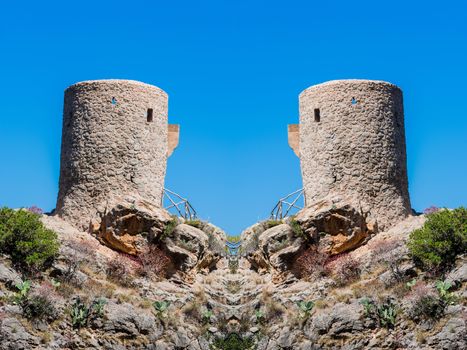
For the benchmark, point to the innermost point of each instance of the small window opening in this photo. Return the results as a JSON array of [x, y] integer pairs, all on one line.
[[317, 115], [354, 101], [114, 101], [149, 115]]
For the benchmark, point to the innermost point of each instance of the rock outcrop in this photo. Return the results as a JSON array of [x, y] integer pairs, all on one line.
[[222, 296]]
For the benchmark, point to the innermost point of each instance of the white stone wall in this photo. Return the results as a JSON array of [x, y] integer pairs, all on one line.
[[109, 149], [357, 149]]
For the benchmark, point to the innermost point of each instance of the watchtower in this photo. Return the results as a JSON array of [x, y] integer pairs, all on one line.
[[115, 142], [351, 143]]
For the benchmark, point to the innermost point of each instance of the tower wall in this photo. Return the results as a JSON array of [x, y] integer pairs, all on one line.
[[114, 143], [352, 144]]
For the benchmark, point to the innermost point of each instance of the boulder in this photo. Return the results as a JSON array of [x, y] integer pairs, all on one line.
[[458, 275], [127, 226], [8, 276], [14, 336], [453, 336], [342, 318], [337, 225], [124, 318], [279, 245], [186, 245]]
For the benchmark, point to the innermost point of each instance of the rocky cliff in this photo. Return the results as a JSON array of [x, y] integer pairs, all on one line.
[[324, 279]]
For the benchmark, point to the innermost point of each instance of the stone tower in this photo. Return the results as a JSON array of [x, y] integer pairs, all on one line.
[[351, 144], [115, 142]]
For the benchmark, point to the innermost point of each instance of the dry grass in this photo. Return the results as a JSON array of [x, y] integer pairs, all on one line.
[[95, 289], [66, 290], [191, 311], [321, 304], [274, 310], [145, 303], [420, 337], [344, 297]]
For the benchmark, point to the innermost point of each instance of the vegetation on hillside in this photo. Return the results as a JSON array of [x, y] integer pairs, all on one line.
[[30, 245], [443, 237]]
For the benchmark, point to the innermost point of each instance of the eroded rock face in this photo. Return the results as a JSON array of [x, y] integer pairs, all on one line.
[[249, 296], [127, 226], [279, 245], [187, 245], [337, 225]]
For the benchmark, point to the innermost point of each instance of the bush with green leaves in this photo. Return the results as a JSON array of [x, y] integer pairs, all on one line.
[[30, 245], [423, 302], [445, 295], [384, 313], [296, 228], [38, 304], [169, 227], [81, 313], [233, 341], [161, 308], [305, 308], [206, 316], [259, 316], [443, 237]]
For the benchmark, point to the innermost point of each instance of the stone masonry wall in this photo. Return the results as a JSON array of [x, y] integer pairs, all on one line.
[[352, 144], [112, 145]]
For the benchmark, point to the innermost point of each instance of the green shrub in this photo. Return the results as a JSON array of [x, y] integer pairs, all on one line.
[[39, 304], [259, 316], [426, 307], [195, 223], [305, 308], [233, 341], [23, 291], [435, 246], [81, 313], [206, 316], [170, 227], [161, 308], [384, 313], [271, 223], [296, 228], [31, 246]]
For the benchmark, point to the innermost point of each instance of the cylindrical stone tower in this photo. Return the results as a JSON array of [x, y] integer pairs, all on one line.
[[114, 143], [352, 144]]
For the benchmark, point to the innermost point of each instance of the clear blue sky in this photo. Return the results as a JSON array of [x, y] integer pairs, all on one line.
[[233, 71]]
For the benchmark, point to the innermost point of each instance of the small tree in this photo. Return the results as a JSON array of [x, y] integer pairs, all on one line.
[[31, 246], [435, 246]]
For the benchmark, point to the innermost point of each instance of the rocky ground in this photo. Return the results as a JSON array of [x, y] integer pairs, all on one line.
[[325, 279]]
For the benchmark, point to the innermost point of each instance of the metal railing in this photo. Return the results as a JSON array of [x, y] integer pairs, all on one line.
[[233, 247], [178, 205], [288, 205]]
